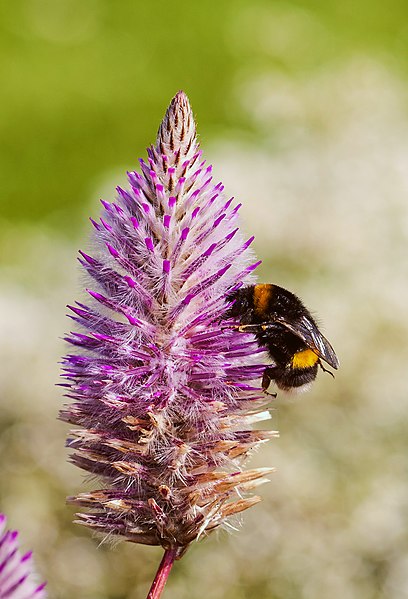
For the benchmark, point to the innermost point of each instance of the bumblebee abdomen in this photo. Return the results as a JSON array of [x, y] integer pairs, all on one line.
[[304, 359], [297, 379]]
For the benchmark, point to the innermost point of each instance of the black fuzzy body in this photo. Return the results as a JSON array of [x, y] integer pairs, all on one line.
[[283, 325]]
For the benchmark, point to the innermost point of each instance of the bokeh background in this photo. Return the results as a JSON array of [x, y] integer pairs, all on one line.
[[302, 108]]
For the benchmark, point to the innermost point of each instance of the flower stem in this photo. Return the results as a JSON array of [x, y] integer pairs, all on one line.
[[162, 573]]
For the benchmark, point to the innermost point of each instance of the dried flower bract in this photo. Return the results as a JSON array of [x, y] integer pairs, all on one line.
[[162, 395]]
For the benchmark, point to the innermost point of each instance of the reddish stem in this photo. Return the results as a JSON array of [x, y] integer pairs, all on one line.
[[162, 573]]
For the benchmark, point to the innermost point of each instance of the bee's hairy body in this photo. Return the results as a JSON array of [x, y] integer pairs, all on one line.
[[283, 325]]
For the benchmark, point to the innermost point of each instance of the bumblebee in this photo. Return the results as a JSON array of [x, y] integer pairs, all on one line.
[[283, 325]]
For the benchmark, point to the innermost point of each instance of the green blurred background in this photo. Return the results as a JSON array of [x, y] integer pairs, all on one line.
[[302, 107]]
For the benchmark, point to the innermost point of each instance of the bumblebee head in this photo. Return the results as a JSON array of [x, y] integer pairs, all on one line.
[[242, 302]]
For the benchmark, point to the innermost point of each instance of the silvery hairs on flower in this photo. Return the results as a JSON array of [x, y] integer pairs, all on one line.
[[17, 576], [163, 394]]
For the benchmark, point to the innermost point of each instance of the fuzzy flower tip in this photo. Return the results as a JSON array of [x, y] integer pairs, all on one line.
[[164, 395], [17, 579]]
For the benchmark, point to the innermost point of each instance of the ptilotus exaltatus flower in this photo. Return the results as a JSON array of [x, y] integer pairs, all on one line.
[[163, 394], [17, 578]]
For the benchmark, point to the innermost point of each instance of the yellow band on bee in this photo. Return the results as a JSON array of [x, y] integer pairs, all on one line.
[[304, 359]]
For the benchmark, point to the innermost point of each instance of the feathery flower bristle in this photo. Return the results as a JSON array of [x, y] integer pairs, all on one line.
[[17, 577], [163, 394]]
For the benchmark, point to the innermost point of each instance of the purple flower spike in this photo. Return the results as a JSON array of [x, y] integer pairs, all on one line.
[[162, 396], [17, 577]]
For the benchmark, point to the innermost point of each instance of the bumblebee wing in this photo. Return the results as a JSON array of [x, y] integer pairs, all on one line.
[[307, 330]]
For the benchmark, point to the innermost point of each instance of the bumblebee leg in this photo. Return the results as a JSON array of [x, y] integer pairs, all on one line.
[[244, 328], [249, 328], [325, 369], [266, 381], [257, 328]]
